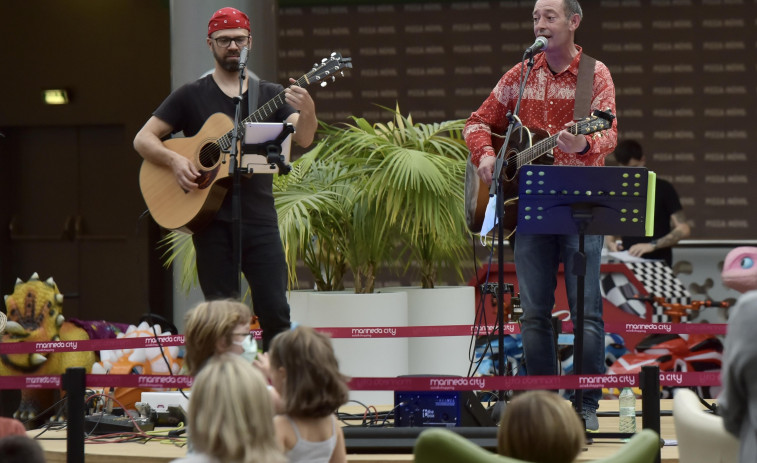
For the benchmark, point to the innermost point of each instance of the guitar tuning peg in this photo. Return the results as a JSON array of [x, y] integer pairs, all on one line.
[[324, 83]]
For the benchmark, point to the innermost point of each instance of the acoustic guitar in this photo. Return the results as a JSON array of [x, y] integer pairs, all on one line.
[[526, 146], [172, 207]]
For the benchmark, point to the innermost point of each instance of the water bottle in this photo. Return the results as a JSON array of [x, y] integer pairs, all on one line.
[[627, 403]]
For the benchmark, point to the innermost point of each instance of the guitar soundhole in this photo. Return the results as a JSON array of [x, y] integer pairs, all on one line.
[[510, 169], [209, 159], [210, 155]]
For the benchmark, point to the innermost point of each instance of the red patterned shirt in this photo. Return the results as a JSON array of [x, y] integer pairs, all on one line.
[[547, 104]]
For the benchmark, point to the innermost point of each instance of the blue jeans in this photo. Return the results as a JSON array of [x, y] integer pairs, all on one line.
[[537, 258]]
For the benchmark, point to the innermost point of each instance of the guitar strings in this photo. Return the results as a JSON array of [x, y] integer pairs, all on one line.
[[267, 109]]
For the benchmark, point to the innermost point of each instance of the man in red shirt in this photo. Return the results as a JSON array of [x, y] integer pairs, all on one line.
[[548, 103]]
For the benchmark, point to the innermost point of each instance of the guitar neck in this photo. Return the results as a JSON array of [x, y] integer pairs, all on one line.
[[541, 147], [263, 112]]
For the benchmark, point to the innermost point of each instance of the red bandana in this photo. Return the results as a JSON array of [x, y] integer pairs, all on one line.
[[228, 18]]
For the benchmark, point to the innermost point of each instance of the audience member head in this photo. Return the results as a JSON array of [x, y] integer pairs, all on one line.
[[11, 427], [212, 328], [540, 427], [306, 373], [20, 449], [230, 412], [629, 153]]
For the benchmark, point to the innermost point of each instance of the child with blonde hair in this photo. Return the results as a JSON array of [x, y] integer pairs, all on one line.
[[540, 427], [230, 415], [215, 327], [303, 368]]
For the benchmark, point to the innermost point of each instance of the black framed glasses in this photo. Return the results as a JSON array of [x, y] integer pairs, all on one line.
[[225, 42]]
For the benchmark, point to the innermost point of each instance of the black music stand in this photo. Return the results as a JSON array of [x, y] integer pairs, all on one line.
[[271, 150], [570, 200]]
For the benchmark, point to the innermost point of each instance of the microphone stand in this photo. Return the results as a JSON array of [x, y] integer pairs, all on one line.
[[496, 189], [235, 172]]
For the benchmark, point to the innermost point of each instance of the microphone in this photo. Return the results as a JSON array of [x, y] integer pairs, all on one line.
[[243, 57], [539, 44]]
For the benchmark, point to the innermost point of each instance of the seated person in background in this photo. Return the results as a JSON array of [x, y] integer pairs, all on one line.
[[737, 404], [216, 327], [540, 427], [670, 225], [20, 449], [305, 372], [230, 415]]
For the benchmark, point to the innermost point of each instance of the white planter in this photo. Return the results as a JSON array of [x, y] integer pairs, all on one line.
[[391, 357], [363, 357], [446, 305]]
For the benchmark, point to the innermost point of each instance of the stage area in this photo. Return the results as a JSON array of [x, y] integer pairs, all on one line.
[[54, 443]]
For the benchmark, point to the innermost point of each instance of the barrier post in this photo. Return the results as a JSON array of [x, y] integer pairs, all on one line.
[[74, 383], [649, 380]]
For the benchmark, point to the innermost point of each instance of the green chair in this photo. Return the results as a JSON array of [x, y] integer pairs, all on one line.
[[642, 448], [439, 445], [702, 438]]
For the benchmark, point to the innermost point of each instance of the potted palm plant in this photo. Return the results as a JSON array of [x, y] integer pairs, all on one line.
[[369, 195]]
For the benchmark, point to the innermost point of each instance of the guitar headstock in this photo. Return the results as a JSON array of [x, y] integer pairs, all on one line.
[[328, 69], [598, 121]]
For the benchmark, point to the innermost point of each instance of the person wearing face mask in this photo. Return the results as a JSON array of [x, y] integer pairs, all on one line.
[[549, 99], [217, 327]]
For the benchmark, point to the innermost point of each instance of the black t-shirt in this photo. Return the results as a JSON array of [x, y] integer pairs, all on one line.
[[666, 204], [187, 109]]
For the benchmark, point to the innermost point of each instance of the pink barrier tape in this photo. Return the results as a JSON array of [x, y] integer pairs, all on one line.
[[355, 333], [97, 344], [30, 382], [654, 328], [443, 383], [140, 381], [416, 331], [89, 345], [446, 383]]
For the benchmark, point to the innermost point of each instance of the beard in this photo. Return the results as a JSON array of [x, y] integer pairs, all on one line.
[[226, 63]]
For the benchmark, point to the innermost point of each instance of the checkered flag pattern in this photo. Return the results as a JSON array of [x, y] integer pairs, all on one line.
[[658, 279]]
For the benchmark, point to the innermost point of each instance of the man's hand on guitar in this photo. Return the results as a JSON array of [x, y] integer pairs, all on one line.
[[299, 98], [486, 168], [570, 143], [185, 172]]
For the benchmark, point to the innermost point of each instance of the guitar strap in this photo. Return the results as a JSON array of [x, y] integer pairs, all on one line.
[[253, 89], [584, 86]]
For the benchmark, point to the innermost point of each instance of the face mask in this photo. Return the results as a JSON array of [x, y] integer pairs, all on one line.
[[249, 348]]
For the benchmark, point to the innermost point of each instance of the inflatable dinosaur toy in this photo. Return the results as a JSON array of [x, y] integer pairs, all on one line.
[[35, 314], [739, 269]]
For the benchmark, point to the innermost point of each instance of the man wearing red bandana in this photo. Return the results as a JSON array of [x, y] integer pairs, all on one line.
[[548, 104], [187, 109]]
